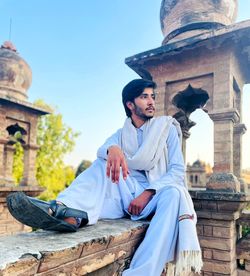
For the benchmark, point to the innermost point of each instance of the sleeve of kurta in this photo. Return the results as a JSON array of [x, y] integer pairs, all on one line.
[[111, 141], [175, 173]]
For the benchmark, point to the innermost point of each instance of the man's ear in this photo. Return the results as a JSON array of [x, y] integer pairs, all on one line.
[[130, 105]]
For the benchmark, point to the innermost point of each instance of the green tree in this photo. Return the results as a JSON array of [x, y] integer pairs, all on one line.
[[83, 166], [18, 162], [55, 140]]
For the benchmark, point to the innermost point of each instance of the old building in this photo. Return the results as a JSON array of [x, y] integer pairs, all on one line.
[[17, 115]]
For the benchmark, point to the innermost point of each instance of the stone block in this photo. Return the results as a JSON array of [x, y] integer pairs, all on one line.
[[222, 232], [208, 231], [216, 243], [219, 223], [242, 272], [25, 266], [223, 255], [247, 265], [207, 253], [224, 268], [57, 258], [223, 182], [199, 229]]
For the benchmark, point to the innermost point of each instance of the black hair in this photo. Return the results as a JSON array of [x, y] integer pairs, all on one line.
[[133, 90]]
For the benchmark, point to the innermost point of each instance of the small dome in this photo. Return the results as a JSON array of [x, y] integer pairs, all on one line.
[[185, 18], [198, 163], [15, 73]]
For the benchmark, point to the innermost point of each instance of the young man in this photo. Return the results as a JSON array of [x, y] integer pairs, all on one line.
[[139, 172]]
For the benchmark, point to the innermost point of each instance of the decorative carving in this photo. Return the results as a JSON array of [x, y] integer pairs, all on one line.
[[188, 101]]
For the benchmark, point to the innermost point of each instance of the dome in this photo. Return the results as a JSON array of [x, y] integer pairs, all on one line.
[[184, 18], [15, 73], [198, 163]]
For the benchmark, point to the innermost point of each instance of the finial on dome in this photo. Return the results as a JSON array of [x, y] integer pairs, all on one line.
[[9, 45]]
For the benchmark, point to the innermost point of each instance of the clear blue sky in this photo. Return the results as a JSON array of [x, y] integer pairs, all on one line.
[[76, 50]]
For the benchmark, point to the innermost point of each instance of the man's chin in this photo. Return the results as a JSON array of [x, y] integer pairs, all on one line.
[[149, 116]]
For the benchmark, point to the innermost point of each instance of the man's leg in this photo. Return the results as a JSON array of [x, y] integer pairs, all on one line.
[[158, 246], [95, 194]]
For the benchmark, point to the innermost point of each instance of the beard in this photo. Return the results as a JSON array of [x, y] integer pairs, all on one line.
[[142, 114]]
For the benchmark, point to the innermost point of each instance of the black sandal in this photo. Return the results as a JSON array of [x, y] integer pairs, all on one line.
[[35, 213]]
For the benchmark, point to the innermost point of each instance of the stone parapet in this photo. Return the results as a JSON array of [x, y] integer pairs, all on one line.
[[103, 249], [217, 227]]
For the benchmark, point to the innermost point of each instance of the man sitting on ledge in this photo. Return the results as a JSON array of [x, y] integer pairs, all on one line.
[[139, 172]]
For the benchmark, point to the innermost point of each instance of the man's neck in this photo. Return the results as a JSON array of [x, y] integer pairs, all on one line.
[[137, 122]]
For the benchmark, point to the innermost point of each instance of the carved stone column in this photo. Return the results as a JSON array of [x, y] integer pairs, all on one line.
[[223, 177], [239, 130], [2, 182], [8, 162], [29, 174]]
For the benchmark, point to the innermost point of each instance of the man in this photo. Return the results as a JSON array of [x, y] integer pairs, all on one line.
[[139, 172]]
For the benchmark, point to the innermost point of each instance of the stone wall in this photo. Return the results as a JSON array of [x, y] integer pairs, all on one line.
[[103, 249], [8, 225], [107, 247]]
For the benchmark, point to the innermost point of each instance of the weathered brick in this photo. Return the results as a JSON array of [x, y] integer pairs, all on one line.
[[223, 255], [208, 231], [214, 222], [57, 258], [247, 265], [242, 272], [218, 267], [207, 253], [223, 232], [199, 229], [27, 265], [216, 243]]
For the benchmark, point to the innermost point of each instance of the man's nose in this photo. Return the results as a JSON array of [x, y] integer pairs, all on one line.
[[151, 101]]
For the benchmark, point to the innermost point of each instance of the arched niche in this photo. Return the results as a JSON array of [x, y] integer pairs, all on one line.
[[200, 144]]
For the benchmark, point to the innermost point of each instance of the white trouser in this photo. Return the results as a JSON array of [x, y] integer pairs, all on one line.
[[95, 194]]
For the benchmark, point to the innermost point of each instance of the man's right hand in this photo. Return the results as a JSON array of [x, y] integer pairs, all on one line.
[[115, 161]]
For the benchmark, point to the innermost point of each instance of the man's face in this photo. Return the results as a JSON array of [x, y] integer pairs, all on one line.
[[143, 106]]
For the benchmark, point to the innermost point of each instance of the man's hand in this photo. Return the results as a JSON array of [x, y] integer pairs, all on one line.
[[138, 204], [115, 161]]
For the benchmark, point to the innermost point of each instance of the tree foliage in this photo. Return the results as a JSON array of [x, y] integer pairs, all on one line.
[[55, 140], [18, 162], [83, 166]]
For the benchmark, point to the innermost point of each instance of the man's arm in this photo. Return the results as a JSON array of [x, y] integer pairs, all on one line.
[[111, 152]]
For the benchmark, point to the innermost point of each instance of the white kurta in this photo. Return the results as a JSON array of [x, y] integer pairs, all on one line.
[[94, 193]]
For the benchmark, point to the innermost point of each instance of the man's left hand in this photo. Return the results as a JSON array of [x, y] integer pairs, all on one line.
[[138, 204]]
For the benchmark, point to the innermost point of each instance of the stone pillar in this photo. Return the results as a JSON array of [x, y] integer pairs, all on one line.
[[223, 177], [3, 141], [29, 174], [8, 160], [2, 182], [239, 130], [217, 229]]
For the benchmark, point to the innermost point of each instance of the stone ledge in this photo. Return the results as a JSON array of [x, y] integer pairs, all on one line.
[[86, 251]]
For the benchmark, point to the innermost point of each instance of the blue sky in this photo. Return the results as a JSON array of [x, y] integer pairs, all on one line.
[[76, 50]]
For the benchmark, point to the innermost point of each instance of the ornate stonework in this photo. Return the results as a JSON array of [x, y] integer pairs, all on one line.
[[184, 18]]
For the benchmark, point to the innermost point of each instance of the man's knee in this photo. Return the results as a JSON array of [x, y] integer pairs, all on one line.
[[168, 195]]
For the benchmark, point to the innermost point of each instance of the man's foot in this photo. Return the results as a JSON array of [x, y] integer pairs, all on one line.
[[35, 213], [70, 220]]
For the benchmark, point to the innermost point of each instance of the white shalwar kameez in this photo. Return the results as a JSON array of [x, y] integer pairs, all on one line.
[[95, 194]]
